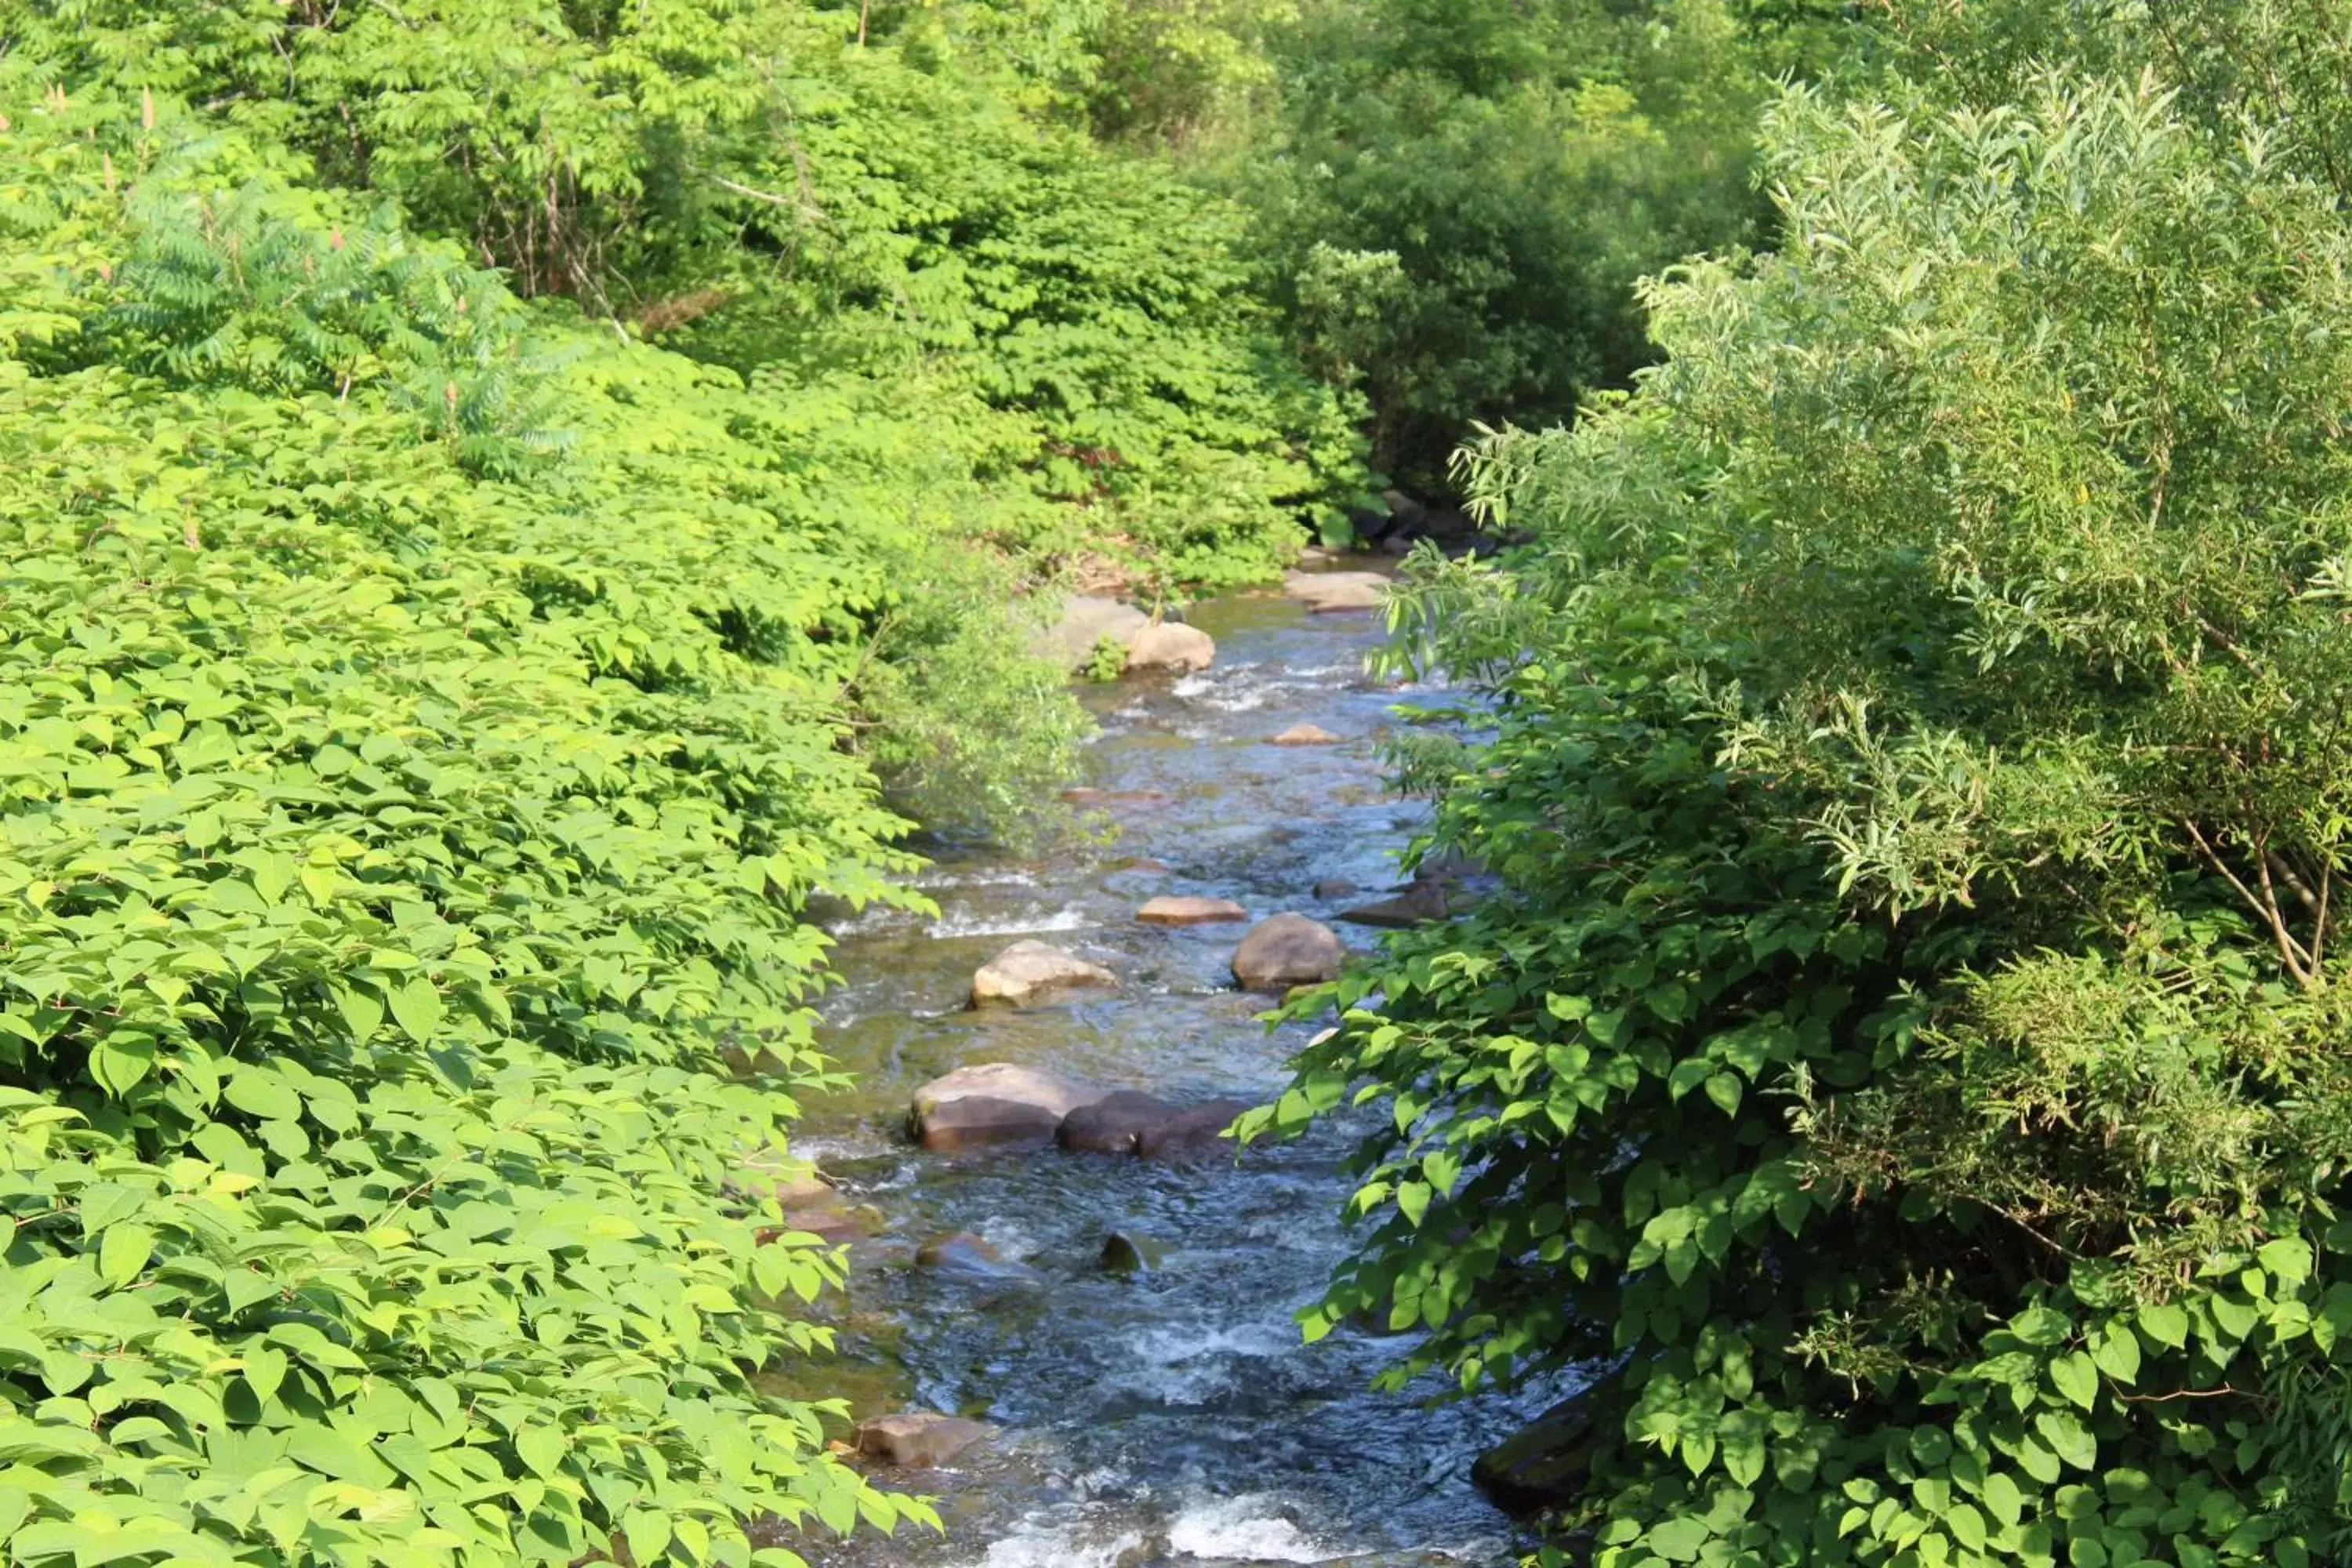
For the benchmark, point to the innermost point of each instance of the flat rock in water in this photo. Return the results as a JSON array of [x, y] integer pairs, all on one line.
[[1029, 971], [995, 1102], [1331, 887], [1418, 904], [831, 1217], [1193, 1133], [968, 1257], [918, 1439], [1112, 1124], [1190, 911], [1305, 735], [1325, 592], [1084, 796], [1287, 949], [1172, 645]]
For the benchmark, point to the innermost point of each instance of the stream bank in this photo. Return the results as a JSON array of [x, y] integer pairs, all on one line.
[[1160, 1409]]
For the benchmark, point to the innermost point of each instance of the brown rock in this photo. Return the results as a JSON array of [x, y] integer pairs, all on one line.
[[1306, 736], [967, 1257], [1171, 645], [1331, 887], [1546, 1463], [1086, 796], [1419, 903], [1113, 1123], [1193, 1133], [1287, 949], [1190, 911], [1088, 621], [1325, 592], [919, 1440], [995, 1102], [1031, 971]]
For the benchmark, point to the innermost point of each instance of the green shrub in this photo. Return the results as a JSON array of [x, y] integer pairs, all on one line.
[[406, 815], [1904, 1067]]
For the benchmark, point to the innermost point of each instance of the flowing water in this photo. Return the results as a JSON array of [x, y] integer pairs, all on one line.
[[1171, 1416]]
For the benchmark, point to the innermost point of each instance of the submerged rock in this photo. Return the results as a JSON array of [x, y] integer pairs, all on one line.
[[1190, 911], [1112, 1124], [1417, 904], [1031, 971], [1305, 735], [967, 1257], [1331, 888], [918, 1439], [1287, 949], [1127, 1123], [1132, 1252], [1325, 592], [1172, 645], [1544, 1464], [995, 1102], [1193, 1134], [1083, 796]]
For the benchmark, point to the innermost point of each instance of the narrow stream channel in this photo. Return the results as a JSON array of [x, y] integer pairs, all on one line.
[[1168, 1416]]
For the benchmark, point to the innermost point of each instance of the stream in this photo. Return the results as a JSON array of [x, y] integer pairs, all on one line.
[[1171, 1416]]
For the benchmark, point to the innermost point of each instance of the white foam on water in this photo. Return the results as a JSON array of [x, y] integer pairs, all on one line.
[[1188, 1365], [992, 879], [1070, 919], [1246, 1529], [1058, 1546]]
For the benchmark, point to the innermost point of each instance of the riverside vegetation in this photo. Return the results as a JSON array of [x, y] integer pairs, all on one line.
[[1906, 1065], [507, 501]]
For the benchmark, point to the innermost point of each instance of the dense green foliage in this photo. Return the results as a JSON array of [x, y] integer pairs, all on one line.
[[427, 707], [403, 810], [1454, 202], [741, 180], [1905, 1065]]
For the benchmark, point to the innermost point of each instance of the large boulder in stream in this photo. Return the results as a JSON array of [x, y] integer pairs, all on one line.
[[1287, 949], [1170, 911], [995, 1102], [1088, 620], [1172, 645], [1545, 1464], [1325, 593], [1031, 972], [918, 1439], [1127, 1123], [1195, 1133]]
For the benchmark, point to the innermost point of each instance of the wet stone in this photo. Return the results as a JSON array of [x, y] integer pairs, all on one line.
[[1287, 949], [1113, 1123], [1544, 1464], [1132, 1252], [964, 1256], [919, 1440], [1193, 1134], [1419, 903], [1305, 735], [1325, 593], [1034, 971], [996, 1103], [1330, 890], [1190, 911], [1171, 646]]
